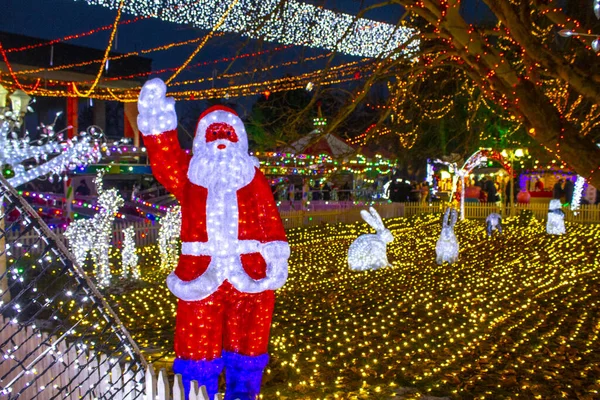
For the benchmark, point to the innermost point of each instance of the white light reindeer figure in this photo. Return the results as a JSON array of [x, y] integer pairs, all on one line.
[[170, 228], [94, 234], [446, 248], [369, 251]]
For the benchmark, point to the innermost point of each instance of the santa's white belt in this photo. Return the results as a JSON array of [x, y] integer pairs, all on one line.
[[225, 264], [225, 248]]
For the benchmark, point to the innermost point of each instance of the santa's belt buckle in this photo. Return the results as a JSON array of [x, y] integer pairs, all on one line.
[[220, 249]]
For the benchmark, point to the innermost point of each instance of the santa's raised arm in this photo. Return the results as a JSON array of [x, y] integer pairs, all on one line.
[[234, 250]]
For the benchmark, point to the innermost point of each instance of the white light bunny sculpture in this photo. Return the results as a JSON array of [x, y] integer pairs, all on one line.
[[94, 234], [556, 218], [446, 248], [493, 221], [369, 251]]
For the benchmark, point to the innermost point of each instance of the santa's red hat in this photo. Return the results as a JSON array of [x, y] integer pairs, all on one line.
[[220, 114]]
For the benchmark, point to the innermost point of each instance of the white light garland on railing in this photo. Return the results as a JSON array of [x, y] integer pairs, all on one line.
[[293, 23], [94, 234], [129, 259], [168, 235]]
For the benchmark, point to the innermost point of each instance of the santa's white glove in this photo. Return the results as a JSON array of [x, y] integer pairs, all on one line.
[[156, 111], [276, 255]]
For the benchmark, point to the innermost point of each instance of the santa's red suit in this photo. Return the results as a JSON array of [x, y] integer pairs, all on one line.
[[234, 248]]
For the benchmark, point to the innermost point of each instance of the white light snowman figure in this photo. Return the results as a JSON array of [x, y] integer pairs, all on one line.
[[556, 218]]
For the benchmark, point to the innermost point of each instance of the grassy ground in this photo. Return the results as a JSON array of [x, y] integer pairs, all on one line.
[[515, 317]]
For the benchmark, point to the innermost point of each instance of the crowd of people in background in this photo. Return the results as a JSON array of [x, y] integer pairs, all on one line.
[[491, 188], [401, 191], [311, 190]]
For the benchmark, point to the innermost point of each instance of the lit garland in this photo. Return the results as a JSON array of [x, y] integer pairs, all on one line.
[[17, 152], [254, 71], [333, 75], [272, 163], [129, 259], [58, 197], [168, 238], [148, 204], [222, 18], [93, 235], [296, 23], [104, 63], [115, 57], [72, 37]]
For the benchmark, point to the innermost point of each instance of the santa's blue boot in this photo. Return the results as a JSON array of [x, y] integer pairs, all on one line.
[[206, 373], [243, 375]]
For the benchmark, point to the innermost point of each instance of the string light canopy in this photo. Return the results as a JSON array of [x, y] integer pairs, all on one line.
[[294, 23]]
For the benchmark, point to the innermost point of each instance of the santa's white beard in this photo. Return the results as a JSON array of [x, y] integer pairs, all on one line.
[[216, 169]]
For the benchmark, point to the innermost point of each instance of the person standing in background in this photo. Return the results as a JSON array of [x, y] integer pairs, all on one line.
[[557, 190], [539, 185], [568, 191]]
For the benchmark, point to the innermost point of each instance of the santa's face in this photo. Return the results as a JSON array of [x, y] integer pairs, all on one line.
[[221, 133], [220, 160]]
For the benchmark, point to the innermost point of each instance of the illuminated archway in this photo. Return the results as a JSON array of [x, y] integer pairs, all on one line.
[[472, 162]]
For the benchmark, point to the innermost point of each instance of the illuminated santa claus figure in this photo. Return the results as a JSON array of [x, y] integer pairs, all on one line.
[[234, 250]]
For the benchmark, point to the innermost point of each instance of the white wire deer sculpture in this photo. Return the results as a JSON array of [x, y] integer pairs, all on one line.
[[93, 235]]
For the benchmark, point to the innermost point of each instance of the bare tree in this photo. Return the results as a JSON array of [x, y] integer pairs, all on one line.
[[538, 79]]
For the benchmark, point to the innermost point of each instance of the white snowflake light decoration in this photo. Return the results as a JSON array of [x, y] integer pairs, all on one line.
[[93, 235], [129, 259], [168, 235]]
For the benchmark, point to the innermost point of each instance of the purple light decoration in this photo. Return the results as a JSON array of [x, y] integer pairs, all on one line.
[[522, 182]]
